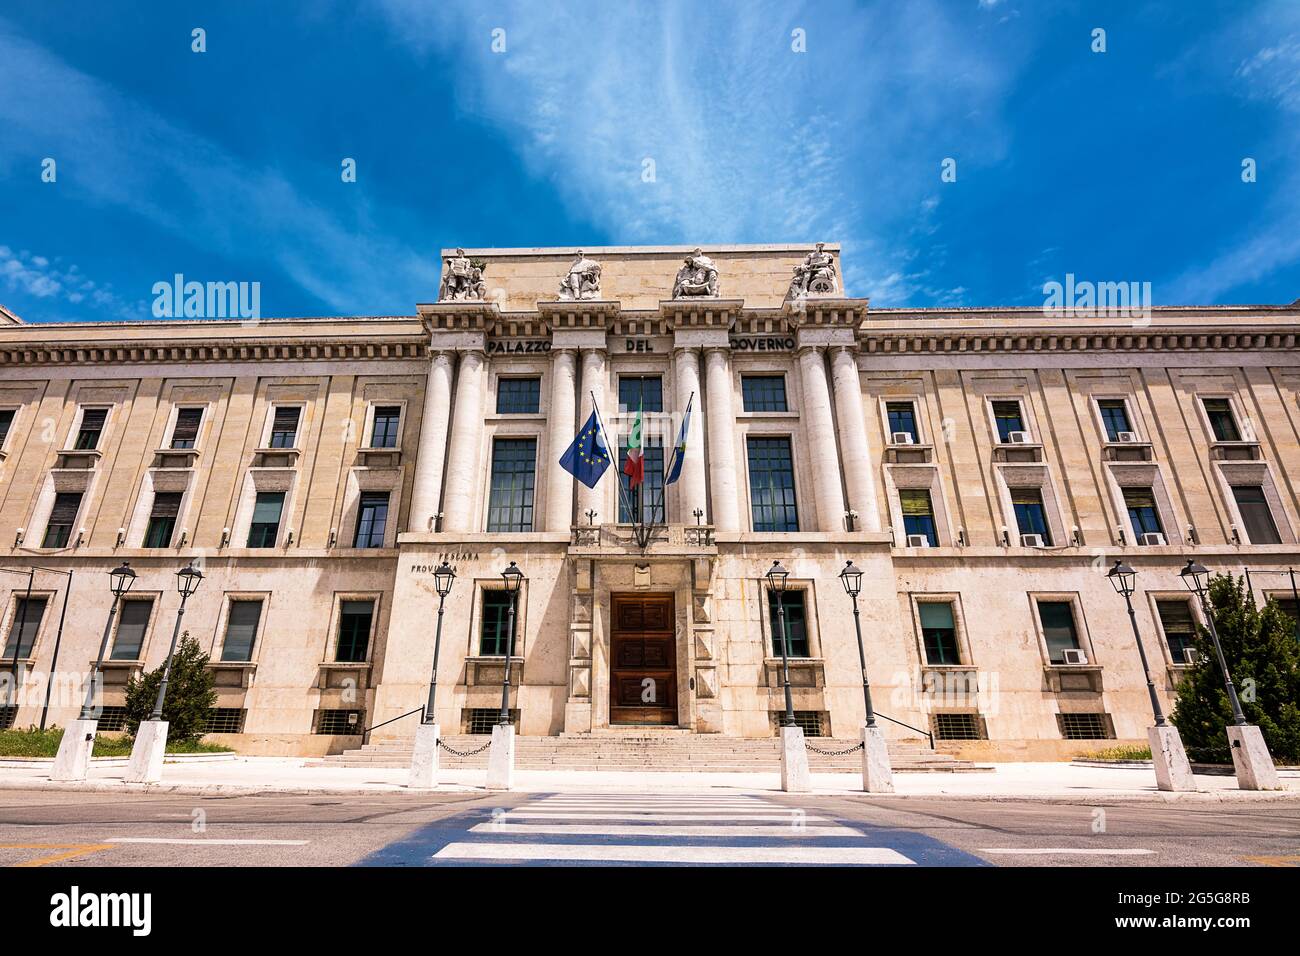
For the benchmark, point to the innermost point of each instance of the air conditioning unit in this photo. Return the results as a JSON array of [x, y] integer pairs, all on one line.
[[1072, 655], [1191, 655], [1031, 541], [918, 541], [1151, 538], [1018, 438], [1126, 438], [902, 438]]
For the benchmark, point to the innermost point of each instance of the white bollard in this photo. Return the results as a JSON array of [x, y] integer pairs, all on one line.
[[1251, 759], [501, 758], [424, 760], [795, 776], [73, 760], [877, 775], [1173, 770], [147, 752]]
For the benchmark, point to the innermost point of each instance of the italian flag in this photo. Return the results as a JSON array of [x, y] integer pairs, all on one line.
[[634, 466]]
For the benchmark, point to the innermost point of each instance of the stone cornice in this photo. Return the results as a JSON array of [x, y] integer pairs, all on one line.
[[700, 312], [98, 352], [917, 341]]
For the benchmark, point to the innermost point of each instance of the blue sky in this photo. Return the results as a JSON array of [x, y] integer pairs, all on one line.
[[225, 165]]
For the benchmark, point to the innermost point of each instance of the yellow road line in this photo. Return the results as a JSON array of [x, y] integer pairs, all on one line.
[[1273, 860], [71, 850]]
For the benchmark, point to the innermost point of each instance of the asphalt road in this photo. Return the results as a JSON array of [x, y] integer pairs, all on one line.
[[43, 828]]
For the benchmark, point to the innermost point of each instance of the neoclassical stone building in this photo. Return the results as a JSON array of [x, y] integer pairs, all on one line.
[[983, 467]]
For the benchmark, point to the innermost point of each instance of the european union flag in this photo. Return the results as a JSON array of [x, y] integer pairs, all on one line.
[[588, 456]]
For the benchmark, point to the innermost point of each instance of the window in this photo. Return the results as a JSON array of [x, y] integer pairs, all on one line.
[[265, 527], [1085, 726], [372, 519], [131, 627], [284, 427], [1057, 618], [24, 626], [1031, 516], [649, 495], [519, 396], [241, 630], [510, 501], [92, 426], [63, 515], [186, 431], [494, 632], [958, 727], [162, 519], [918, 514], [224, 720], [6, 422], [1255, 515], [1142, 514], [1006, 415], [1114, 415], [771, 485], [383, 433], [938, 632], [481, 720], [902, 420], [112, 719], [1222, 422], [796, 628], [641, 391], [354, 630], [763, 393], [341, 722], [1176, 621]]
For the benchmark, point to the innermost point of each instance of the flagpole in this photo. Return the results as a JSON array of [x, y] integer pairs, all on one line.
[[618, 480], [673, 457]]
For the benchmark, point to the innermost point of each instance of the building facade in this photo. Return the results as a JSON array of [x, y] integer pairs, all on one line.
[[982, 467]]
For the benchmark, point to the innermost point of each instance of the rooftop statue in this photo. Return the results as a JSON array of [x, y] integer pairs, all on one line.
[[698, 276], [462, 279], [816, 276], [583, 280]]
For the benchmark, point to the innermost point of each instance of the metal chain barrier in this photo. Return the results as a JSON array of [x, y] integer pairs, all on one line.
[[468, 753], [833, 753]]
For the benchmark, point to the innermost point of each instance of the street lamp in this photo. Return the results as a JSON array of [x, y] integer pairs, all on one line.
[[188, 580], [851, 578], [513, 578], [120, 582], [1124, 579], [1195, 577], [776, 577], [443, 578]]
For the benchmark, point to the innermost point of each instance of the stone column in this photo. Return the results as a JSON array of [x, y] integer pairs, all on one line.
[[859, 470], [693, 489], [722, 447], [819, 432], [593, 381], [561, 428], [466, 439], [432, 453]]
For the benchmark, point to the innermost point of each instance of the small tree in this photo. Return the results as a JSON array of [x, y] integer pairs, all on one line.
[[1263, 656], [189, 694]]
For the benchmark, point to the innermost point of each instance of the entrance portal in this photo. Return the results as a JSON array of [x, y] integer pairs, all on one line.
[[643, 660]]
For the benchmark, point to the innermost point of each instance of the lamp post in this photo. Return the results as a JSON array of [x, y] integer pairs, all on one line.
[[1123, 578], [73, 758], [1250, 757], [1195, 577], [443, 578], [776, 577], [513, 578], [188, 580], [851, 578]]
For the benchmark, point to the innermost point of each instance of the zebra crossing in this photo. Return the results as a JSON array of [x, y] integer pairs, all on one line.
[[660, 829]]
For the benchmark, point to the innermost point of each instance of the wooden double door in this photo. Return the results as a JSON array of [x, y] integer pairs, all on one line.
[[643, 659]]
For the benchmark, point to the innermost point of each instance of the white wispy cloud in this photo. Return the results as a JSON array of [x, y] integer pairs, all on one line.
[[115, 151], [40, 278], [750, 140]]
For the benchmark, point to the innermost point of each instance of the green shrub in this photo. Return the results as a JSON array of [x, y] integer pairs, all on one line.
[[189, 694]]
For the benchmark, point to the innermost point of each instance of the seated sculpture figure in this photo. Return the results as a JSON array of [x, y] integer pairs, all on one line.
[[816, 275], [697, 277], [461, 280], [583, 279]]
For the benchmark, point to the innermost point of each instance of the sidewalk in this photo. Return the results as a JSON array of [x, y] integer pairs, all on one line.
[[1054, 782]]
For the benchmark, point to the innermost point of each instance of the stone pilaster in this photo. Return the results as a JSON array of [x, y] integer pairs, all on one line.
[[466, 442], [432, 453], [859, 469], [693, 488], [819, 429], [722, 446], [561, 427], [594, 379]]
